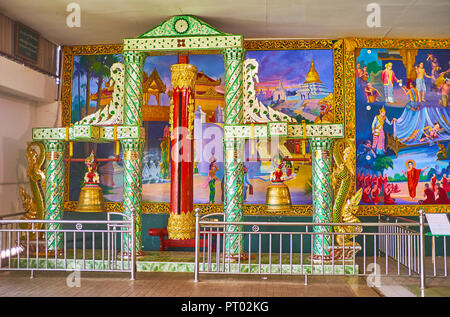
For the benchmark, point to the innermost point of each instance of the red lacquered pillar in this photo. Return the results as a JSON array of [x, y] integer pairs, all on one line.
[[181, 224]]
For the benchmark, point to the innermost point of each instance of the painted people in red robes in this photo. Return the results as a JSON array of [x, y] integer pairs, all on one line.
[[385, 181], [413, 175], [433, 182], [429, 195], [367, 180], [380, 182], [388, 190], [445, 183], [366, 194], [441, 195], [374, 194]]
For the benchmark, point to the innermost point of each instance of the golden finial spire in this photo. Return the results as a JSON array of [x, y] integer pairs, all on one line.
[[313, 75]]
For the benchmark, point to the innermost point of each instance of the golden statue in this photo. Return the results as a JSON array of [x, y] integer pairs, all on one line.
[[278, 197], [91, 195], [34, 206]]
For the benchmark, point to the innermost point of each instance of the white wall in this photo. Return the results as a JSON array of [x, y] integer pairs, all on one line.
[[26, 101]]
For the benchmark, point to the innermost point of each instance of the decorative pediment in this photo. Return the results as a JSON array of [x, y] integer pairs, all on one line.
[[203, 79], [185, 25], [210, 93], [181, 33]]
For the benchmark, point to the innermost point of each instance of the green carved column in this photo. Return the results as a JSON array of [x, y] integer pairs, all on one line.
[[134, 67], [132, 148], [233, 149], [234, 195], [132, 186], [322, 193], [54, 190]]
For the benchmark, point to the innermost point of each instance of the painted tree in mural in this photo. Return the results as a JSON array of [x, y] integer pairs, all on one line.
[[373, 68], [382, 163], [100, 69], [86, 62], [78, 71]]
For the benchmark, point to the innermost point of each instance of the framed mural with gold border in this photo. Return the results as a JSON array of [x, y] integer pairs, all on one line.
[[303, 78], [396, 110]]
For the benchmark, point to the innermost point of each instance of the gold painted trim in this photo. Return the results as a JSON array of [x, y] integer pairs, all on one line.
[[259, 210], [52, 156], [337, 45], [131, 155], [181, 226]]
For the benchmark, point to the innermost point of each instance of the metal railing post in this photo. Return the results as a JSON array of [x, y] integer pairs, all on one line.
[[422, 253], [197, 243], [133, 245]]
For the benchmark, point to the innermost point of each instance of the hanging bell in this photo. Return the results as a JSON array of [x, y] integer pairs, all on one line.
[[91, 199], [278, 197]]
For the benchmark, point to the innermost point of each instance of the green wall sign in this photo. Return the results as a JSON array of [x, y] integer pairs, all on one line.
[[26, 43]]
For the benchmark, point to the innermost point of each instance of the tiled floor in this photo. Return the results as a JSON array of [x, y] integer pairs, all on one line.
[[54, 284]]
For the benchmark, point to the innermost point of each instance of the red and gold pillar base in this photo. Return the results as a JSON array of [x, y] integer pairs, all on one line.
[[181, 224]]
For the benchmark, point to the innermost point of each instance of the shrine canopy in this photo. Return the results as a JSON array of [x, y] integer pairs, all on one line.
[[182, 33]]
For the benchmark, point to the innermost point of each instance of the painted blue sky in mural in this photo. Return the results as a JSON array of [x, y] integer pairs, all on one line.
[[292, 65]]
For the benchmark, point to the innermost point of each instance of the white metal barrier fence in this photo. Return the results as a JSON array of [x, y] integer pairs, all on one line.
[[381, 249], [435, 247], [64, 245]]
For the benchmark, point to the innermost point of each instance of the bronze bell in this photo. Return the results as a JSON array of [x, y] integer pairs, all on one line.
[[278, 197], [91, 199]]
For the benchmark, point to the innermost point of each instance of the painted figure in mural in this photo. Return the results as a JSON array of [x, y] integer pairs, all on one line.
[[433, 182], [91, 176], [380, 182], [385, 181], [358, 71], [374, 194], [288, 168], [420, 81], [365, 74], [164, 164], [434, 70], [412, 93], [429, 195], [371, 93], [378, 131], [389, 189], [431, 133], [365, 152], [388, 78], [413, 175], [445, 91], [445, 183], [247, 183], [368, 180], [441, 195], [213, 168], [366, 194]]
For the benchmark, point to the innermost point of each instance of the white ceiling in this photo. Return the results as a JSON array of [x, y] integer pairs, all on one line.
[[109, 21]]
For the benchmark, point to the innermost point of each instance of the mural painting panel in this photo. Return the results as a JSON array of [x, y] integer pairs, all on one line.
[[298, 83], [403, 126]]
